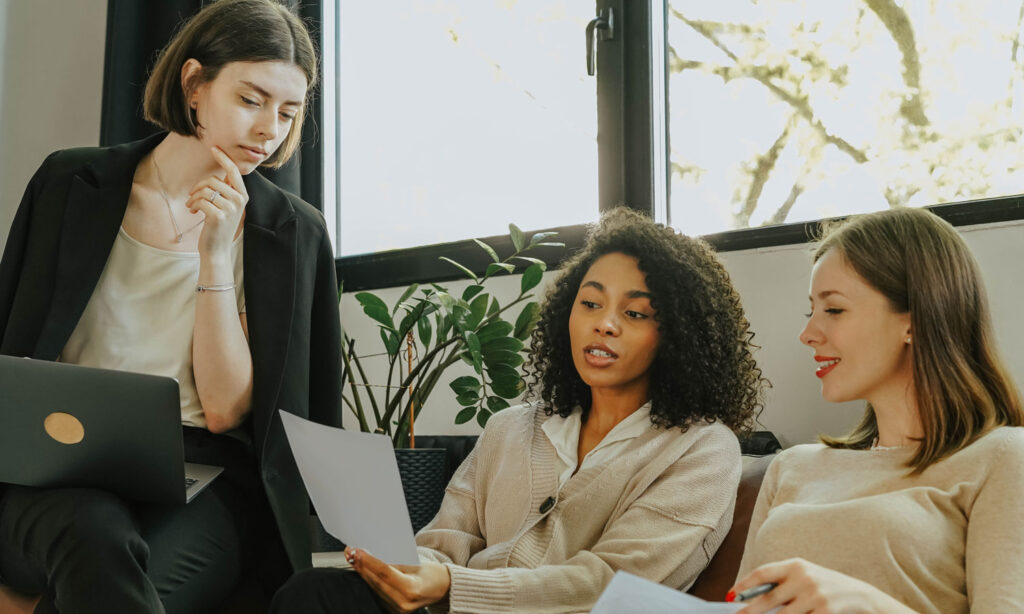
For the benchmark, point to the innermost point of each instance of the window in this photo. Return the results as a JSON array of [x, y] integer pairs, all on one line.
[[458, 117], [741, 121], [792, 110]]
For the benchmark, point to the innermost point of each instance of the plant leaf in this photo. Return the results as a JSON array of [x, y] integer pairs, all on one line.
[[487, 248], [390, 340], [477, 310], [518, 241], [446, 300], [494, 267], [531, 277], [425, 330], [507, 390], [494, 308], [526, 321], [468, 398], [493, 330], [473, 344], [369, 298], [471, 291], [405, 295], [482, 417], [465, 415], [543, 265], [376, 309], [444, 327], [466, 383], [468, 273], [410, 319], [540, 236], [554, 244], [497, 404], [505, 343], [502, 357], [504, 374]]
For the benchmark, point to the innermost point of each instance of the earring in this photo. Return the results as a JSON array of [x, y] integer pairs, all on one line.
[[908, 340]]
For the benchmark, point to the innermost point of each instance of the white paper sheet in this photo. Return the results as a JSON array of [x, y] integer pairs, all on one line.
[[352, 479], [627, 593]]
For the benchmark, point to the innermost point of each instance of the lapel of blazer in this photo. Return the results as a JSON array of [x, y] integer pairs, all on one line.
[[268, 262], [96, 202]]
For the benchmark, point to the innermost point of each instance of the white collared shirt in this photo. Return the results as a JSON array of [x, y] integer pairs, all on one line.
[[564, 434]]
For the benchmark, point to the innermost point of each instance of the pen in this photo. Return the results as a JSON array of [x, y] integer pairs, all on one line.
[[758, 590]]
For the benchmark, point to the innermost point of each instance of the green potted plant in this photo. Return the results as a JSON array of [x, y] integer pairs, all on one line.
[[426, 332]]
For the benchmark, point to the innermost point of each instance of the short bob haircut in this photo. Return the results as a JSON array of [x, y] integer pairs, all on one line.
[[223, 32], [922, 266], [703, 369]]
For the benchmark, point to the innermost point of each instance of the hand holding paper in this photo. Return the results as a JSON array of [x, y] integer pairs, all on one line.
[[352, 479]]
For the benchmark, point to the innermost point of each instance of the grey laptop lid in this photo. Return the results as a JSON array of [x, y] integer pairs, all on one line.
[[67, 425]]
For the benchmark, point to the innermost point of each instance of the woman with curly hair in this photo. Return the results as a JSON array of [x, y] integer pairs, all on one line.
[[642, 370]]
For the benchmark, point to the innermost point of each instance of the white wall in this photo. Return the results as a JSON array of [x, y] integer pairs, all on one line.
[[51, 78], [773, 283]]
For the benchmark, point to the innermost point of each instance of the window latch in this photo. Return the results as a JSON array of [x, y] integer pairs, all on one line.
[[605, 22]]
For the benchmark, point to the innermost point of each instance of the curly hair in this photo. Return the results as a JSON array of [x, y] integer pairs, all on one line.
[[703, 369]]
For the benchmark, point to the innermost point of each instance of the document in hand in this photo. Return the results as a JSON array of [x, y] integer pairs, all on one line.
[[629, 593], [352, 479]]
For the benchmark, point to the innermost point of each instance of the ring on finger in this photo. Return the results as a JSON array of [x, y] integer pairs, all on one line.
[[213, 199]]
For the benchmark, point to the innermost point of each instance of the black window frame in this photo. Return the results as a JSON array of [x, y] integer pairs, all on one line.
[[625, 174]]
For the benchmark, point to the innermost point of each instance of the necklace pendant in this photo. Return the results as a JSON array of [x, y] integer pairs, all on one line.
[[177, 239]]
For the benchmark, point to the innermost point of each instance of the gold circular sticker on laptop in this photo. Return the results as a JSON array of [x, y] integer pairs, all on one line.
[[64, 428]]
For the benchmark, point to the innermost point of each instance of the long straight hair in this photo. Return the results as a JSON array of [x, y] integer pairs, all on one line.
[[922, 266]]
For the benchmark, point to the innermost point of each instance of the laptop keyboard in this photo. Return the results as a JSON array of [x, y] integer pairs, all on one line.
[[189, 482]]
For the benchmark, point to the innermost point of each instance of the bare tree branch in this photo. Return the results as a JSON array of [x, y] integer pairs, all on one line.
[[759, 176], [895, 20], [761, 74], [899, 196], [779, 217], [1015, 60]]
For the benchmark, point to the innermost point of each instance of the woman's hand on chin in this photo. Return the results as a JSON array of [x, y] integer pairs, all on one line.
[[223, 202], [806, 588], [404, 588]]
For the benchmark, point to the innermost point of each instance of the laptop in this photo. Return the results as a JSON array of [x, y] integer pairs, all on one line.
[[65, 425]]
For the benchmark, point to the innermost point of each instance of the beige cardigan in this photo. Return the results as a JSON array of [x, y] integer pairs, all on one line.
[[658, 510], [947, 540]]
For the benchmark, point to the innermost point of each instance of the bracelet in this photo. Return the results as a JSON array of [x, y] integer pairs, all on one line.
[[215, 288]]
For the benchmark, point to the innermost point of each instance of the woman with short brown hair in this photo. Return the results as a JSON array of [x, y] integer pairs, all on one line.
[[171, 256]]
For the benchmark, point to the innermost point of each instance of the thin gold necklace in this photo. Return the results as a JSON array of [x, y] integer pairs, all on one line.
[[178, 233]]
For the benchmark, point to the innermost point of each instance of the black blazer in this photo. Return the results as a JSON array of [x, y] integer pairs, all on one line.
[[59, 243]]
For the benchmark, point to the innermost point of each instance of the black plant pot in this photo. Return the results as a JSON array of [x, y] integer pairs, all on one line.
[[423, 472]]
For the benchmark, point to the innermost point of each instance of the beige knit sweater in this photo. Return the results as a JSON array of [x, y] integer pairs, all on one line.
[[658, 510], [948, 540]]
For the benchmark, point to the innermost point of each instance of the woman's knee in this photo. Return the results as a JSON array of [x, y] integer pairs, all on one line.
[[99, 525], [99, 513]]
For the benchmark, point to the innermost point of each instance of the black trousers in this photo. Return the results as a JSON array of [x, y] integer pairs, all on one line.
[[326, 591], [88, 551]]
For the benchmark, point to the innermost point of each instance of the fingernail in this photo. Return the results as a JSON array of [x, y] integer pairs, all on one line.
[[730, 596]]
